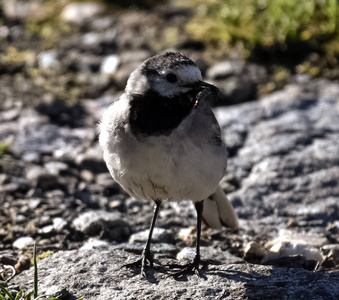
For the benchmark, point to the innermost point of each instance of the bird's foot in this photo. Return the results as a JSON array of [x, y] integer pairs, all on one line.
[[145, 261], [191, 268]]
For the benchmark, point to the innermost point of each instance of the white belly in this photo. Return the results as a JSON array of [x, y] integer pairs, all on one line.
[[168, 173]]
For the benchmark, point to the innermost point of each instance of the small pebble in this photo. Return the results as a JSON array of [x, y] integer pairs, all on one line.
[[254, 251], [23, 242]]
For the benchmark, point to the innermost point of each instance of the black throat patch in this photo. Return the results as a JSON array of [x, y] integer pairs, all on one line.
[[154, 115]]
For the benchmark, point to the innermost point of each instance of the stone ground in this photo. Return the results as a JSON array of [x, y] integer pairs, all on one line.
[[55, 190], [282, 179], [98, 275]]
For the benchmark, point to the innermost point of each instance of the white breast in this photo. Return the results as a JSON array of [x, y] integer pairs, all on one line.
[[183, 165]]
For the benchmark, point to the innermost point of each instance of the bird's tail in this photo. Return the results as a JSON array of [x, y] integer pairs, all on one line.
[[218, 211]]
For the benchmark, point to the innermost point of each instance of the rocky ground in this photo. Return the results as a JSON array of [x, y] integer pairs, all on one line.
[[55, 189]]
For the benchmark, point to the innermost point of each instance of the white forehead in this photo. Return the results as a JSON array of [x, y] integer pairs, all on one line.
[[186, 73]]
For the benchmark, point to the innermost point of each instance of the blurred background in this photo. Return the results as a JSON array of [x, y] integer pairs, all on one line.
[[77, 49], [62, 62]]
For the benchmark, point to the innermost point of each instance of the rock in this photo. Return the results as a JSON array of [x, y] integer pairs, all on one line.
[[158, 249], [92, 43], [86, 65], [48, 60], [106, 181], [104, 23], [97, 107], [92, 160], [160, 235], [55, 167], [224, 69], [86, 175], [22, 9], [32, 157], [47, 182], [23, 242], [94, 83], [235, 137], [117, 204], [237, 82], [287, 154], [34, 203], [286, 249], [58, 225], [299, 246], [91, 39], [64, 143], [88, 220], [4, 32], [309, 238], [16, 186], [235, 90], [109, 64], [62, 114], [254, 252], [24, 263], [8, 257], [10, 115], [129, 61], [107, 225], [188, 235], [78, 13], [333, 227], [93, 243], [96, 274], [210, 255], [293, 261], [331, 251]]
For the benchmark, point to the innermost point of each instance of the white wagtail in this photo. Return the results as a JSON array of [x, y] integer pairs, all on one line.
[[161, 141]]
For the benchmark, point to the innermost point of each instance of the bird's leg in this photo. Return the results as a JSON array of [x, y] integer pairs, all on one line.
[[194, 265], [146, 255]]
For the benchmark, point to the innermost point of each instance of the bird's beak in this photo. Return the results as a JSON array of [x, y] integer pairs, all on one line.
[[201, 90], [201, 85]]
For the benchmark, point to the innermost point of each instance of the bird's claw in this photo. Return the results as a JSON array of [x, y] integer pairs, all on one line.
[[145, 261], [190, 268]]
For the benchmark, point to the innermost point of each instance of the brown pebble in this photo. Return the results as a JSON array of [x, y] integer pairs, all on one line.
[[23, 264]]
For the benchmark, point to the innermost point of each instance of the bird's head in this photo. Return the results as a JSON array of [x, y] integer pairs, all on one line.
[[169, 75]]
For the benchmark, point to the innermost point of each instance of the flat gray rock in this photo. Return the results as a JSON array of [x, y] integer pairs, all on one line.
[[98, 275]]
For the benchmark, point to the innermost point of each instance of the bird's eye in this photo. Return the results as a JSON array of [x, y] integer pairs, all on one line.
[[171, 78]]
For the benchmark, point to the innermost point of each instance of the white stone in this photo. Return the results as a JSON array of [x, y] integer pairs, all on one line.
[[186, 254], [94, 243], [159, 235], [80, 12], [54, 167], [46, 229], [86, 219], [91, 38], [110, 64], [23, 242], [4, 32], [290, 248], [48, 60], [308, 238], [59, 223], [289, 243]]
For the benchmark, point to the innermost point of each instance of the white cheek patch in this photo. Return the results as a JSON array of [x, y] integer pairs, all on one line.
[[186, 75]]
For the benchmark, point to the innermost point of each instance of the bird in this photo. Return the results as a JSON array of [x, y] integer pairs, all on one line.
[[162, 142]]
